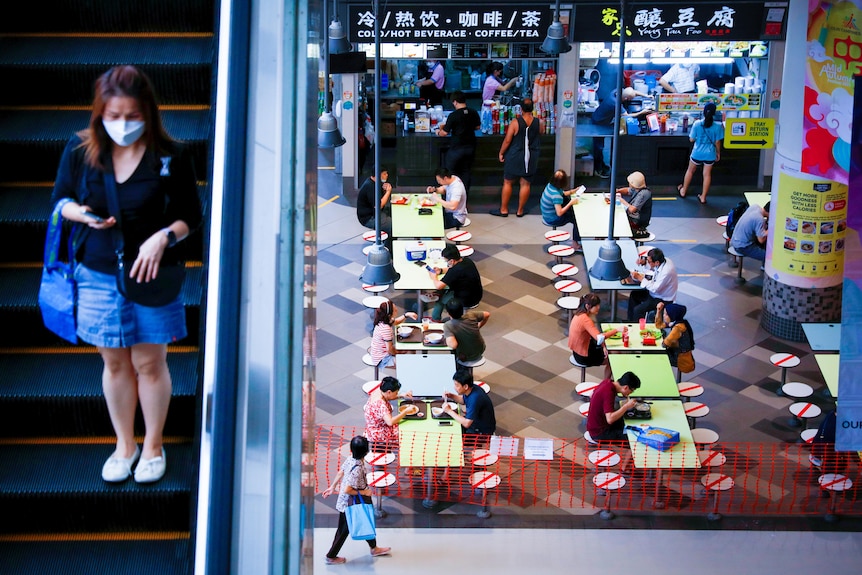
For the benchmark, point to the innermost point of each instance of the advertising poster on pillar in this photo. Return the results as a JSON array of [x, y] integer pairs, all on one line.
[[834, 57], [810, 221], [848, 424]]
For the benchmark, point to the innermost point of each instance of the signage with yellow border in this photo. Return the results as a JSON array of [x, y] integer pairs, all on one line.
[[749, 133]]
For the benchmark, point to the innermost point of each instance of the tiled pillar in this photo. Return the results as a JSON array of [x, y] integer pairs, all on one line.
[[786, 307]]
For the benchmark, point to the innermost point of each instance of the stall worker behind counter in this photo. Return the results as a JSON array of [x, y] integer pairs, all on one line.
[[604, 116], [680, 78], [431, 86], [494, 81], [461, 125]]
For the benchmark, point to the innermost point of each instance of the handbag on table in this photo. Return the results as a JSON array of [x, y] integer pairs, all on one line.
[[360, 519], [57, 292], [161, 290]]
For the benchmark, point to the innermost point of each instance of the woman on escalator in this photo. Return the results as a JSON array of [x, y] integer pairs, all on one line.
[[125, 159]]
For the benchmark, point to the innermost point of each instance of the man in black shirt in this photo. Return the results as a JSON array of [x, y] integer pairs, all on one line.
[[479, 415], [365, 203], [461, 124], [461, 280]]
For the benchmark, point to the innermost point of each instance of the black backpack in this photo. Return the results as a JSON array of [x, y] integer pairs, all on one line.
[[733, 217]]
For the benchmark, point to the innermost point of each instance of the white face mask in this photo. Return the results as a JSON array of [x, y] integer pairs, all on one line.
[[122, 132]]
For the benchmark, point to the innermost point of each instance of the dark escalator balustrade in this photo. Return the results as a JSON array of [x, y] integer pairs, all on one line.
[[55, 432]]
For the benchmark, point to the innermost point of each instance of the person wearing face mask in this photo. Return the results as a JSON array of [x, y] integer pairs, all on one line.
[[365, 201], [157, 195], [431, 82]]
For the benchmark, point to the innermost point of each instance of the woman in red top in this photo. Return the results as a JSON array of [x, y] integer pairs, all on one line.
[[380, 425], [585, 339]]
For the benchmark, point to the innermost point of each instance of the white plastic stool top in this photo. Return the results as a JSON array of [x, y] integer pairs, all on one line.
[[609, 480], [379, 479], [374, 288], [689, 389], [644, 250], [484, 457], [466, 223], [648, 238], [367, 249], [805, 409], [428, 297], [373, 458], [484, 480], [589, 438], [561, 250], [465, 251], [696, 409], [558, 236], [721, 220], [366, 359], [710, 458], [835, 482], [374, 301], [458, 235], [568, 286], [703, 436], [370, 387], [371, 236], [584, 409], [797, 389], [784, 360], [808, 435], [569, 302], [483, 385], [474, 363], [586, 388], [603, 458], [565, 269], [574, 362], [717, 481]]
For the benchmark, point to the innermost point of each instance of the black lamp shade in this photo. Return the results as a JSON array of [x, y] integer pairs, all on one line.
[[328, 135], [609, 265], [379, 270], [555, 42], [338, 43]]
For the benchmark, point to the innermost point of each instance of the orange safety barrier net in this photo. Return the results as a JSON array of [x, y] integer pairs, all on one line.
[[729, 478]]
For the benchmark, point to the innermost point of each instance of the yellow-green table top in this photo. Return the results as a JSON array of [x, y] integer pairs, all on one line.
[[759, 198], [407, 223], [669, 414], [828, 363], [653, 369], [427, 443]]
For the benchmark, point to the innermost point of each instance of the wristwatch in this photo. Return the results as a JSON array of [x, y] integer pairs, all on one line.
[[172, 237]]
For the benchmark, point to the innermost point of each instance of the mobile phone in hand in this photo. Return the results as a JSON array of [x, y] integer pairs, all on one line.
[[92, 216]]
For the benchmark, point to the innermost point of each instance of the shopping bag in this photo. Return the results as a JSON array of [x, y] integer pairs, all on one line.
[[659, 438], [360, 519], [57, 293]]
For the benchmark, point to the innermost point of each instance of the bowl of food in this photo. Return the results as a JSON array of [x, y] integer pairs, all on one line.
[[827, 227], [409, 409], [433, 338], [789, 244], [808, 227], [404, 331], [807, 247]]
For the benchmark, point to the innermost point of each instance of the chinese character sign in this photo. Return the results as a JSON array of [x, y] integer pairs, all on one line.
[[408, 23], [834, 57]]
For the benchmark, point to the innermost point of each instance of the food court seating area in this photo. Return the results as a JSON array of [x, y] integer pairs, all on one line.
[[533, 385]]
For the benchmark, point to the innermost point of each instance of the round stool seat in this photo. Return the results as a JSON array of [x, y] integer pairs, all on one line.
[[473, 363], [696, 409], [584, 410], [367, 249], [561, 250], [805, 409], [428, 297], [483, 385], [710, 458], [644, 250], [569, 302], [835, 482], [647, 238], [466, 223], [589, 438], [370, 387], [797, 389], [371, 236], [586, 388], [717, 481], [465, 251], [603, 458], [721, 220], [374, 288], [558, 236], [379, 479], [458, 235], [689, 389], [484, 457], [374, 301], [609, 480], [808, 435], [484, 480], [702, 436], [784, 360], [574, 362], [568, 286], [374, 458], [564, 270]]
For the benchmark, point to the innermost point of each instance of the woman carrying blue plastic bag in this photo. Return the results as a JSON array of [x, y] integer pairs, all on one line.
[[350, 481]]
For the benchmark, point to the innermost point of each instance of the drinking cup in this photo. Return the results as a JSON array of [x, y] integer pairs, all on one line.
[[642, 323]]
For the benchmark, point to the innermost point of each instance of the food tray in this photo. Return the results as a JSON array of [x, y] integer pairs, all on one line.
[[423, 409], [439, 403]]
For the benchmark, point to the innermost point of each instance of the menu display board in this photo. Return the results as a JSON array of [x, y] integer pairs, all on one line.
[[696, 102]]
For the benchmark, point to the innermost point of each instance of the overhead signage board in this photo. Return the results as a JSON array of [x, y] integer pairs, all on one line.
[[749, 133], [694, 22], [451, 24]]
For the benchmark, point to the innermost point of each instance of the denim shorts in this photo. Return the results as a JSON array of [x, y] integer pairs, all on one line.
[[107, 319]]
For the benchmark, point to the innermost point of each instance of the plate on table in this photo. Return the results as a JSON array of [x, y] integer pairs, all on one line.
[[413, 410], [399, 200], [618, 335], [427, 203], [650, 332]]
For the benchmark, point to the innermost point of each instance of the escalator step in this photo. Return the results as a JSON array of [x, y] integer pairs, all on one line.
[[51, 488], [142, 557], [180, 68]]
